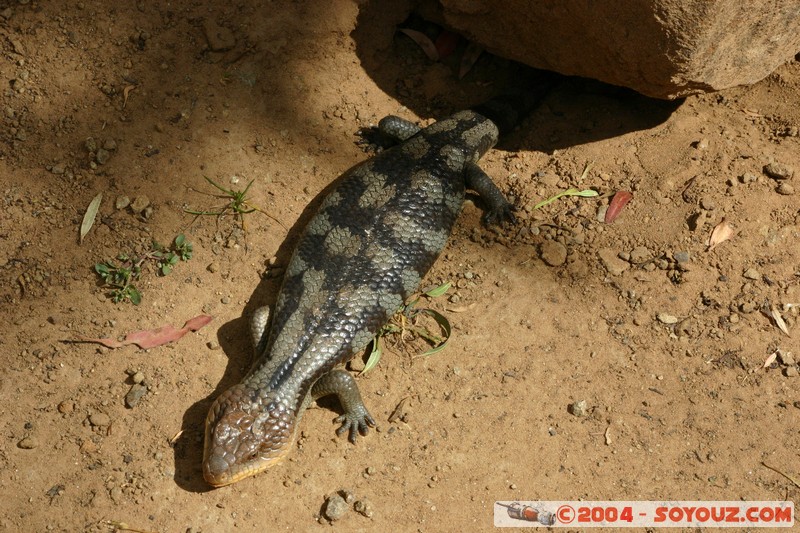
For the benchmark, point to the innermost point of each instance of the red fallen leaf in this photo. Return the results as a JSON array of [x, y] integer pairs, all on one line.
[[424, 42], [446, 43], [620, 200], [153, 337]]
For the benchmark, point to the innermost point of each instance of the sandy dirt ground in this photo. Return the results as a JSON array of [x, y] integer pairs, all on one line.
[[621, 361]]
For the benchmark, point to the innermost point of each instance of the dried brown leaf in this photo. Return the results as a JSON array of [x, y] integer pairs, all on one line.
[[424, 42], [776, 316], [153, 337], [771, 359], [721, 233], [125, 92], [90, 215]]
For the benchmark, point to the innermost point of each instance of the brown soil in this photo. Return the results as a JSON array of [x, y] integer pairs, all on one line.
[[666, 346]]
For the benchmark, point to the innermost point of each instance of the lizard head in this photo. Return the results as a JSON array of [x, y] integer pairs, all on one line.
[[244, 436]]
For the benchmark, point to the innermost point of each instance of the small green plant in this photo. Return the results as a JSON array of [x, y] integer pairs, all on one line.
[[120, 277], [406, 320], [585, 193], [238, 204]]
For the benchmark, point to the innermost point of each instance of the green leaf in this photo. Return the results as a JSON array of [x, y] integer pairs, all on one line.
[[102, 269], [134, 295], [166, 268], [374, 355], [179, 240], [446, 329], [586, 193], [439, 291], [90, 215]]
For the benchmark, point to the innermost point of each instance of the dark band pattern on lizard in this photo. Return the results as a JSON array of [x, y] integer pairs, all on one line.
[[366, 250]]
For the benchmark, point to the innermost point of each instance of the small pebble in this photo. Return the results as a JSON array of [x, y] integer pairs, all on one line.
[[640, 254], [747, 307], [212, 345], [666, 318], [579, 408], [110, 145], [135, 395], [752, 273], [99, 419], [58, 168], [786, 357], [335, 508], [364, 507], [137, 377], [778, 171], [790, 371], [102, 156], [213, 268], [681, 257], [553, 253], [28, 443], [140, 203], [785, 189], [611, 262], [122, 202], [66, 407], [708, 203]]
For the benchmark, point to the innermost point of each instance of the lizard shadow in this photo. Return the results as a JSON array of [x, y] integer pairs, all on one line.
[[235, 340]]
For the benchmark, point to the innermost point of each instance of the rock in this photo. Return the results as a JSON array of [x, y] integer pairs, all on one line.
[[553, 253], [702, 46], [785, 189], [28, 443], [751, 273], [579, 408], [364, 507], [681, 257], [58, 169], [134, 395], [666, 318], [611, 262], [66, 407], [786, 357], [335, 508], [747, 307], [219, 38], [140, 203], [122, 202], [708, 203], [138, 377], [99, 419], [640, 254], [102, 156], [110, 145], [778, 171], [789, 372]]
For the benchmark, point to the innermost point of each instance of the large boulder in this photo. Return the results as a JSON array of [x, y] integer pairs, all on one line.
[[661, 48]]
